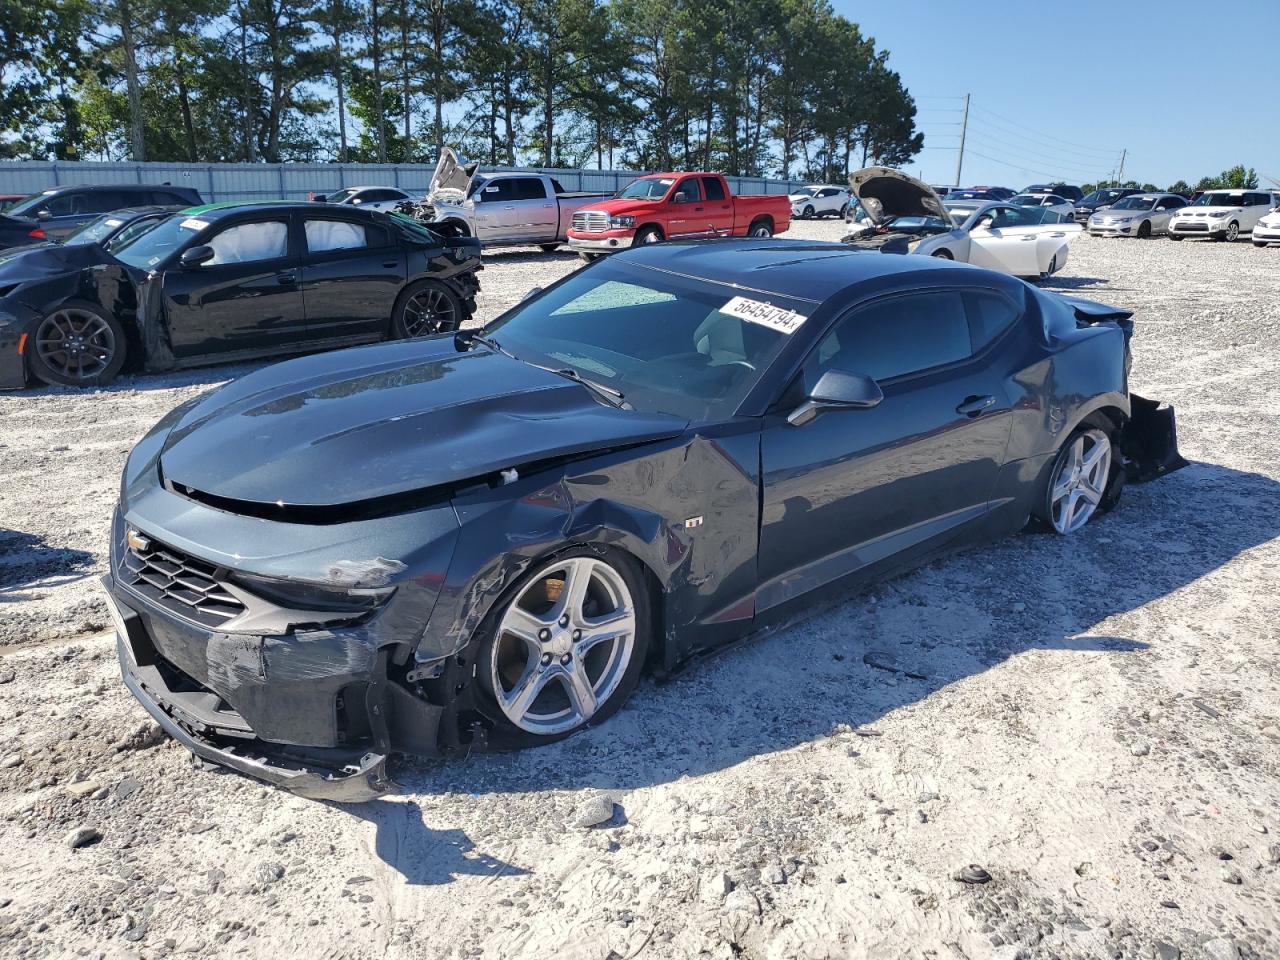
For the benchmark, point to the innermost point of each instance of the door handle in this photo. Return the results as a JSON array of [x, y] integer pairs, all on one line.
[[283, 278], [390, 263], [973, 406], [1029, 236], [697, 209]]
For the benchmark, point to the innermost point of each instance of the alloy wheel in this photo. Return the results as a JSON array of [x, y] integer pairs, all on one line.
[[1233, 231], [1080, 481], [761, 232], [76, 344], [429, 311], [564, 645]]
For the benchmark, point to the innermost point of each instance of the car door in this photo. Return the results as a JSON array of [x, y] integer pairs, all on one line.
[[352, 270], [717, 207], [851, 490], [1000, 240], [686, 212], [248, 298], [510, 209], [1164, 211]]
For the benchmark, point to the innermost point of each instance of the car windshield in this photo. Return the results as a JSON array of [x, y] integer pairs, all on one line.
[[670, 344], [1135, 203], [1218, 200], [27, 206], [961, 212], [344, 194], [1103, 196], [807, 192], [147, 249], [95, 231], [916, 224], [968, 195], [1027, 200], [647, 188]]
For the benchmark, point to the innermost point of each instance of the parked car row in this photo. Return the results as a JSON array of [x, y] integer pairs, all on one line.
[[55, 213]]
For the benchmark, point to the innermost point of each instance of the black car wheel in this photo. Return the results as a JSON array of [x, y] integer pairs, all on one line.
[[78, 345], [565, 646], [760, 230], [425, 308], [808, 212], [1144, 230], [548, 247], [647, 235], [942, 254], [1174, 236]]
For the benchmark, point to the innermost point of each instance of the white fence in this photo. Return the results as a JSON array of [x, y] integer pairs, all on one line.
[[297, 181]]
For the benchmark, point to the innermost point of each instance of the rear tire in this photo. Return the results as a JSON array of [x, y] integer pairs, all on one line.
[[583, 656], [425, 308], [77, 345], [1085, 480], [760, 230]]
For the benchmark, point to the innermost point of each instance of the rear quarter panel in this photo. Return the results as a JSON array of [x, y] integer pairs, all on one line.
[[748, 208]]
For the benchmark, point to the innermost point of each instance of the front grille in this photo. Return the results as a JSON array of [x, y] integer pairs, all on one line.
[[590, 221], [179, 583], [1185, 225]]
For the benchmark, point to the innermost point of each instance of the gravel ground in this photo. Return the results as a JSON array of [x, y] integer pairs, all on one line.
[[1092, 722]]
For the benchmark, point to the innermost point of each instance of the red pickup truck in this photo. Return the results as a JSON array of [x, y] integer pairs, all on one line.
[[674, 206]]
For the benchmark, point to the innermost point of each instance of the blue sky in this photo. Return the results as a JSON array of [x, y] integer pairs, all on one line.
[[1058, 90]]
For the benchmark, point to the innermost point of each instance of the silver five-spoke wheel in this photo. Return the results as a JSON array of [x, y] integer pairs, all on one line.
[[564, 645], [1080, 481]]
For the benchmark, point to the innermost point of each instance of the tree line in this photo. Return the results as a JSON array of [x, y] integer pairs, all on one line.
[[1233, 178], [747, 87]]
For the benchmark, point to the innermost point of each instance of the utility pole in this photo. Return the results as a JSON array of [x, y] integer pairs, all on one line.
[[964, 128], [1120, 175]]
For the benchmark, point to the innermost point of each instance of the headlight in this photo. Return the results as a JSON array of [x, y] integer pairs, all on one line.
[[622, 222], [1105, 206], [1219, 213], [302, 595]]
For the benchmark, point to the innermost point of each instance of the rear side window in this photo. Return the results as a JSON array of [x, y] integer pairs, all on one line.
[[326, 235], [895, 337], [529, 188], [556, 186], [1255, 199], [713, 188], [104, 201], [989, 316]]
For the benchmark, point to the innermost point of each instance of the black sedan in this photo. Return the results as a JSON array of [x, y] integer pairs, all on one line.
[[483, 539], [228, 282]]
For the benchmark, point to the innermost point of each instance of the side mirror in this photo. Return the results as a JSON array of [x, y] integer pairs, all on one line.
[[197, 255], [680, 197], [836, 390], [44, 215], [356, 201]]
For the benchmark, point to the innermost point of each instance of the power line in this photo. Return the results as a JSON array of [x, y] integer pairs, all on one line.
[[1030, 170], [1023, 130], [1035, 158]]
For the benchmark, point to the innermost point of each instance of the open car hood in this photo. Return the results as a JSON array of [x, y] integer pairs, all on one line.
[[386, 424], [885, 194], [452, 178]]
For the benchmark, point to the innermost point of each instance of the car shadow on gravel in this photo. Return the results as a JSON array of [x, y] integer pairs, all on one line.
[[26, 558], [1070, 284], [847, 666], [422, 855], [530, 255]]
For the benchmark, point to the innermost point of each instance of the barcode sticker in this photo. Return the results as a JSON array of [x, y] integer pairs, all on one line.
[[765, 314], [191, 223]]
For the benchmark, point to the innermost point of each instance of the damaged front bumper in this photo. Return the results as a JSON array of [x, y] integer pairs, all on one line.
[[207, 723]]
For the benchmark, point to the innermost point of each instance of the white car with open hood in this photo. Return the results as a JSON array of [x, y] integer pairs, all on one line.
[[907, 217], [1221, 214]]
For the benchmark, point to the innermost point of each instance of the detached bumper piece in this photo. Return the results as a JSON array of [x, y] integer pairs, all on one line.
[[1150, 441], [205, 723]]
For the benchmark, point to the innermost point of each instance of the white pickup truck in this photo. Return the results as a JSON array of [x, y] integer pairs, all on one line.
[[503, 209]]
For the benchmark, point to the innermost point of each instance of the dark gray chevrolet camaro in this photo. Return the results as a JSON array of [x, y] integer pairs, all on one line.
[[482, 539]]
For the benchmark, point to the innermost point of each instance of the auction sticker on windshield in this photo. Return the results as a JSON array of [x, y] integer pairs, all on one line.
[[765, 314], [193, 224]]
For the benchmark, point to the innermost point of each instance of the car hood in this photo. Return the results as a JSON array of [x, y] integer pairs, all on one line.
[[885, 194], [1192, 211], [358, 425], [452, 178], [618, 208], [45, 260]]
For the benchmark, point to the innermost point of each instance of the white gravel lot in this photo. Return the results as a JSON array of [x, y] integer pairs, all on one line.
[[1098, 728]]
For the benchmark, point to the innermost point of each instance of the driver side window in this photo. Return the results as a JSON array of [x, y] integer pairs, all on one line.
[[687, 192], [895, 337], [247, 242]]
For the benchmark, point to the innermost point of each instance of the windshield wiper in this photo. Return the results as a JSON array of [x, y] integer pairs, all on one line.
[[608, 394], [465, 339]]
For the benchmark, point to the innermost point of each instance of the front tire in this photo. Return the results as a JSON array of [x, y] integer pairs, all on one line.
[[943, 254], [425, 308], [807, 213], [647, 235], [1174, 236], [1144, 230], [548, 247], [565, 646], [78, 345], [1232, 233]]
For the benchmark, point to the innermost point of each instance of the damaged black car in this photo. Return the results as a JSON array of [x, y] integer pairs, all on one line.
[[482, 540], [225, 283]]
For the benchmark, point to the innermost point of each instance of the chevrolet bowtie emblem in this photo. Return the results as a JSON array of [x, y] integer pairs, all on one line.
[[137, 541]]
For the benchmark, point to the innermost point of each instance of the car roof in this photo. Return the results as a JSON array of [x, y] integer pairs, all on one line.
[[67, 187], [808, 270], [227, 207], [143, 210]]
